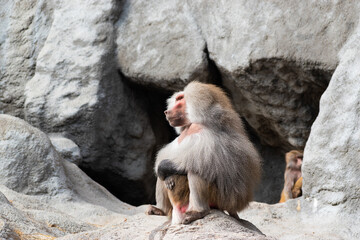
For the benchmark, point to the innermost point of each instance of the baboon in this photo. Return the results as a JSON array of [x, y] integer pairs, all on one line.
[[292, 175], [222, 166]]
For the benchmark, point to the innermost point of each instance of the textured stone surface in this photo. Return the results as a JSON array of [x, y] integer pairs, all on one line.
[[77, 92], [67, 148], [276, 59], [331, 170], [24, 27], [214, 226], [28, 162], [297, 220], [160, 43]]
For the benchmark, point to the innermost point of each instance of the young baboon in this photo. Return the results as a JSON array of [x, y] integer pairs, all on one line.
[[292, 176]]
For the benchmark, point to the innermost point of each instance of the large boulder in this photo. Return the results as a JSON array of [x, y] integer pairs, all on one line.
[[159, 43], [29, 163], [330, 207], [331, 168], [24, 27]]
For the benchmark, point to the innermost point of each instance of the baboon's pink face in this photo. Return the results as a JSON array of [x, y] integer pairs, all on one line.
[[176, 112]]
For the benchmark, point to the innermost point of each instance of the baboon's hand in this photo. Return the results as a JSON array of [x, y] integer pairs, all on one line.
[[170, 183]]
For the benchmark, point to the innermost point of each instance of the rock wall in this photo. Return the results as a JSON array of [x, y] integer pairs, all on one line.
[[83, 98], [332, 153], [159, 43], [98, 73], [24, 29]]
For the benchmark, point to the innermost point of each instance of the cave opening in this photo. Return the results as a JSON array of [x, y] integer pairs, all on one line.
[[279, 113], [151, 100], [278, 127]]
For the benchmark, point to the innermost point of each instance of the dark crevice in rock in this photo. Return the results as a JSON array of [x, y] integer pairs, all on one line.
[[213, 71], [136, 192], [155, 105], [214, 74], [133, 192]]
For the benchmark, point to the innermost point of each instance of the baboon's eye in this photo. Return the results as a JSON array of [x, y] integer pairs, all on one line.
[[179, 97]]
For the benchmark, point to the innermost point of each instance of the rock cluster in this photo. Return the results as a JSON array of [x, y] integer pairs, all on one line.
[[91, 79]]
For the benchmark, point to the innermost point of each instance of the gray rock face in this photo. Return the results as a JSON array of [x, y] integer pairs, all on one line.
[[67, 148], [331, 169], [295, 219], [159, 43], [28, 162], [276, 59], [24, 27], [77, 92]]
